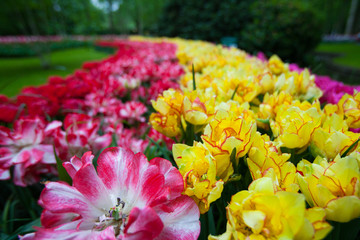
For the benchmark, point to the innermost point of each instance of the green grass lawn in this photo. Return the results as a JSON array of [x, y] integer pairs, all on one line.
[[15, 73], [350, 53]]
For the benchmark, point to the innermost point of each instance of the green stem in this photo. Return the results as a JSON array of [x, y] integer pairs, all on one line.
[[204, 233], [5, 214], [193, 75], [233, 95], [26, 200], [350, 148], [190, 134]]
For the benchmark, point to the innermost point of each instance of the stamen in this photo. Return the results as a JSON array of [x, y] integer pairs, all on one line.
[[115, 217]]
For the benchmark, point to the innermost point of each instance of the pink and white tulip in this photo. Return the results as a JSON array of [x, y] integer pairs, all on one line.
[[80, 135], [127, 197], [26, 149]]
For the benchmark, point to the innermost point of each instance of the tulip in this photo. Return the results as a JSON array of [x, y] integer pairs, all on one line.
[[198, 169], [333, 186]]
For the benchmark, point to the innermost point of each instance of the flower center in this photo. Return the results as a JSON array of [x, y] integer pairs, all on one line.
[[114, 217]]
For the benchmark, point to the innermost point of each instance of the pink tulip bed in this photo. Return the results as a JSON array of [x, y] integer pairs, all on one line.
[[135, 147]]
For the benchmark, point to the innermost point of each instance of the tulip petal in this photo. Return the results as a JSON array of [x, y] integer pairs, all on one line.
[[62, 198], [343, 209], [180, 218], [254, 219], [143, 224]]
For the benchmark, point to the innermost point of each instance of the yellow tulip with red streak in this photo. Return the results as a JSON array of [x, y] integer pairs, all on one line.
[[264, 213], [266, 160], [223, 134], [334, 186], [198, 169]]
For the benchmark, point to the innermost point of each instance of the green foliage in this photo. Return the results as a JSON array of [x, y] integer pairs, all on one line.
[[204, 19], [19, 209], [138, 16], [49, 17], [288, 28]]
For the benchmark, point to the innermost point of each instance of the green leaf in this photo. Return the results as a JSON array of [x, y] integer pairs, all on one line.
[[5, 215], [63, 175], [27, 228], [266, 121], [189, 134], [212, 227], [349, 230], [233, 95], [233, 159], [113, 141], [234, 177], [193, 75], [350, 148]]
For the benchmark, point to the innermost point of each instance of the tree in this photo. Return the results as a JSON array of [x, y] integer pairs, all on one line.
[[351, 17]]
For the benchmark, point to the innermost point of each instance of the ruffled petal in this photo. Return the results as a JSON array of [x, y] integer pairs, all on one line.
[[173, 178], [76, 163], [180, 218]]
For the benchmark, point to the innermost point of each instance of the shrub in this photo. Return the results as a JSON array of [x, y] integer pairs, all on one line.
[[204, 19], [291, 29]]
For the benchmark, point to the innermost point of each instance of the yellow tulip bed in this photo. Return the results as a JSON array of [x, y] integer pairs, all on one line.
[[254, 143]]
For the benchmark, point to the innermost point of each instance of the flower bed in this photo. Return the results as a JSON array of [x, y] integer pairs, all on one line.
[[241, 140]]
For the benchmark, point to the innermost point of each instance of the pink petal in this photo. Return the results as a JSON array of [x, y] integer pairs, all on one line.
[[87, 182], [4, 174], [144, 223], [50, 219], [101, 142], [51, 127], [50, 234], [61, 198], [76, 163], [152, 184], [173, 178], [180, 218], [119, 168]]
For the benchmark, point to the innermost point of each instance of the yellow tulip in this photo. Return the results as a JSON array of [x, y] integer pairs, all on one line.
[[198, 107], [350, 107], [276, 65], [294, 127], [169, 124], [224, 133], [332, 138], [314, 227], [334, 186], [198, 169], [169, 107], [266, 160], [271, 105], [263, 213]]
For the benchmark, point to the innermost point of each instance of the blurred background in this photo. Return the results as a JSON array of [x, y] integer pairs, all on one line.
[[39, 38]]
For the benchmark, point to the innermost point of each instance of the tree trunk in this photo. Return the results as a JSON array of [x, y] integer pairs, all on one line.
[[38, 47], [351, 17], [111, 18], [138, 18]]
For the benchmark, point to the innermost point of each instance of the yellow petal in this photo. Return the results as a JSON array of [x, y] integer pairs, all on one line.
[[343, 209], [254, 219]]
